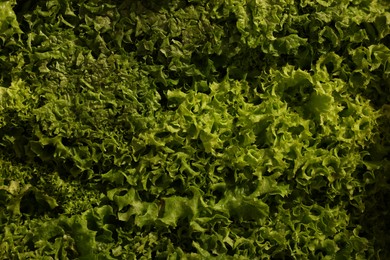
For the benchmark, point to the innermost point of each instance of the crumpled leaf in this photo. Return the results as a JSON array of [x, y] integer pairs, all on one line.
[[194, 129]]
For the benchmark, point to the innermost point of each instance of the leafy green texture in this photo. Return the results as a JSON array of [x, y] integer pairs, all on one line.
[[194, 129]]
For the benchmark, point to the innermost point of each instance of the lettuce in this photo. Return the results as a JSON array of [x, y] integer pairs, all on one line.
[[194, 129]]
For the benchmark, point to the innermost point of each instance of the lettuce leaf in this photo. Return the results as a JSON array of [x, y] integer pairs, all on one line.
[[194, 129]]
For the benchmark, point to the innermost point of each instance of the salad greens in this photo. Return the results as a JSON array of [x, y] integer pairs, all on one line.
[[197, 129]]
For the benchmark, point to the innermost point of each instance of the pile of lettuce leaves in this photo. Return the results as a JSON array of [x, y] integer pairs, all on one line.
[[194, 129]]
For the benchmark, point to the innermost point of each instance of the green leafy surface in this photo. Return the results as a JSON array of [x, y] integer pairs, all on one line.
[[194, 129]]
